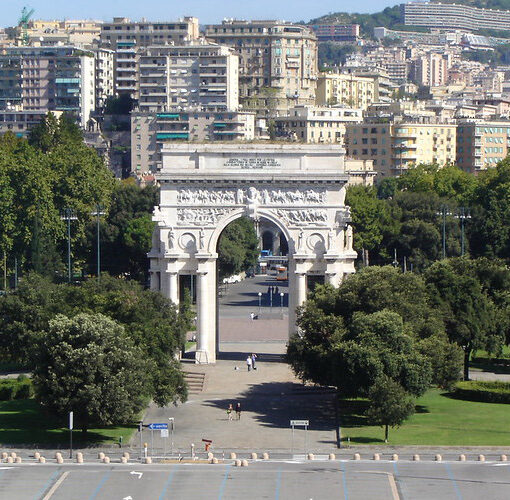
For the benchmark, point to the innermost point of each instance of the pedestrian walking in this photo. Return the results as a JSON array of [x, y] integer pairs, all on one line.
[[254, 361], [252, 316], [238, 411], [249, 362], [276, 291], [230, 411]]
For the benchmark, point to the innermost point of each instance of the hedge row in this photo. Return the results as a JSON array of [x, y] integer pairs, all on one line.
[[20, 388], [484, 392]]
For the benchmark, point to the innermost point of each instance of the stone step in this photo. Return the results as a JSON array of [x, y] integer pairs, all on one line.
[[195, 381]]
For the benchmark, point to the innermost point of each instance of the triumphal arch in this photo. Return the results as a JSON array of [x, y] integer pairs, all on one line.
[[299, 188]]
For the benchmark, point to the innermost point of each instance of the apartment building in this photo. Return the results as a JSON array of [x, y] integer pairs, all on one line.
[[197, 74], [394, 146], [336, 32], [346, 90], [431, 70], [315, 124], [125, 38], [277, 62], [104, 75], [452, 16], [150, 131], [482, 144], [20, 122], [46, 79]]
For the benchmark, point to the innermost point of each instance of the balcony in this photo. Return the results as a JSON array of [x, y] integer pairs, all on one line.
[[171, 136]]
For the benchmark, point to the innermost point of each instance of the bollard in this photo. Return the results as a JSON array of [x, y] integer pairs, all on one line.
[[244, 463], [18, 460], [58, 454], [331, 456], [438, 458], [4, 455], [13, 454], [10, 460], [394, 457], [37, 455], [233, 456], [254, 456], [238, 463], [377, 456], [265, 456], [106, 460], [503, 458], [462, 458], [126, 455], [101, 455], [356, 456], [311, 456], [60, 460], [148, 460], [481, 458], [416, 458], [123, 460], [42, 460]]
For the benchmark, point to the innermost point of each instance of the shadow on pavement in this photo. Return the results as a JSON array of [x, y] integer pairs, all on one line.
[[242, 355]]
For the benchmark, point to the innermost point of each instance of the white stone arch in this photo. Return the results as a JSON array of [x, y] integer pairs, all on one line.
[[298, 188]]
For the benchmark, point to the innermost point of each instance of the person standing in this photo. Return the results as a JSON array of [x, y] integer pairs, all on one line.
[[254, 361], [249, 362], [238, 411], [230, 411]]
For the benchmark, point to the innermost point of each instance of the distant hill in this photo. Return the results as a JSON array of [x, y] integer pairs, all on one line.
[[390, 17]]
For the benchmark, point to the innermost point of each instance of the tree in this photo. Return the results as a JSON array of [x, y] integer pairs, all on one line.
[[89, 366], [238, 247], [390, 404]]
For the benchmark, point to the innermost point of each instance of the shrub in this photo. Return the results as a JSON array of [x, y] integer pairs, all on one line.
[[15, 389], [25, 389], [484, 392], [7, 390]]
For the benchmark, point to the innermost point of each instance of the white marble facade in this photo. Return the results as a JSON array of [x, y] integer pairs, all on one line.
[[204, 187]]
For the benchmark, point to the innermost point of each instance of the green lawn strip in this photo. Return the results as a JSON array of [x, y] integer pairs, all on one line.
[[23, 422], [439, 420]]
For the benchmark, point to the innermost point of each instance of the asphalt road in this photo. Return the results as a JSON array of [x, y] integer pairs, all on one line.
[[347, 480]]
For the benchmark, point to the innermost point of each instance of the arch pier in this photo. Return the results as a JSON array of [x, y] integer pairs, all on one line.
[[293, 190]]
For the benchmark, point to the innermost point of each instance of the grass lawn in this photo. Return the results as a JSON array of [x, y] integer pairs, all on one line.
[[23, 422], [439, 420]]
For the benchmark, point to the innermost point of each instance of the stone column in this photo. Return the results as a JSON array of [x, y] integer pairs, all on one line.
[[173, 287], [202, 313], [300, 288], [206, 314], [154, 281]]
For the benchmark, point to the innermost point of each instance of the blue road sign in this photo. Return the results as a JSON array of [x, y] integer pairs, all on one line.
[[156, 427]]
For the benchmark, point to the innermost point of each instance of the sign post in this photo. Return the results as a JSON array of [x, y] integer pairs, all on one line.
[[71, 425], [172, 425], [156, 427], [299, 423]]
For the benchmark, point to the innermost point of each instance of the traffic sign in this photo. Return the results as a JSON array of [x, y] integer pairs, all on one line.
[[164, 433], [298, 423], [157, 427]]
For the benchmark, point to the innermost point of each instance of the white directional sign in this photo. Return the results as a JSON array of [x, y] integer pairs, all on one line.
[[298, 423], [164, 433]]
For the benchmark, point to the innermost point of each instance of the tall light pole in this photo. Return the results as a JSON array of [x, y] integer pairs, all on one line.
[[260, 298], [462, 215], [281, 303], [68, 216], [443, 213], [98, 213]]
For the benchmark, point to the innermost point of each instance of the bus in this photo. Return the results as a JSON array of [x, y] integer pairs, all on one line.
[[281, 273]]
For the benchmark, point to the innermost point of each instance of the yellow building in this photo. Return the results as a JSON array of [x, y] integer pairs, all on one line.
[[345, 89], [396, 146]]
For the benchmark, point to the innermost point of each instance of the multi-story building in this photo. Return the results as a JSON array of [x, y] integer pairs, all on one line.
[[196, 74], [336, 32], [431, 70], [482, 144], [48, 79], [317, 124], [277, 62], [452, 16], [395, 146], [104, 75], [125, 38], [20, 122], [150, 131], [345, 89]]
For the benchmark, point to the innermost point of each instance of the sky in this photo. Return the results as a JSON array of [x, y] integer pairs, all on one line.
[[207, 11]]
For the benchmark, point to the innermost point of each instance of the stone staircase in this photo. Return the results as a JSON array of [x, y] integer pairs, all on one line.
[[195, 381]]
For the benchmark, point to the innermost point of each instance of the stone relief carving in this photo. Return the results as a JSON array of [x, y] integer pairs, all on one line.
[[343, 215], [195, 196], [302, 217], [171, 238], [200, 216]]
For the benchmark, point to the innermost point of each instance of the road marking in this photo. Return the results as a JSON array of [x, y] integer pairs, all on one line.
[[344, 482], [224, 483], [100, 485], [167, 484], [452, 479], [278, 484], [140, 474], [47, 485], [391, 480], [54, 488]]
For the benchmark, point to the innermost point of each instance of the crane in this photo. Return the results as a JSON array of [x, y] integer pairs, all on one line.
[[26, 14]]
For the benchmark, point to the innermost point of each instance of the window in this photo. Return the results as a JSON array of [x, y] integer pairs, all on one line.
[[364, 151]]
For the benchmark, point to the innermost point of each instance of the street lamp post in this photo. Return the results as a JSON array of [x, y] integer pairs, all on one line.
[[462, 215], [281, 303], [98, 213], [443, 213], [68, 216], [260, 298]]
